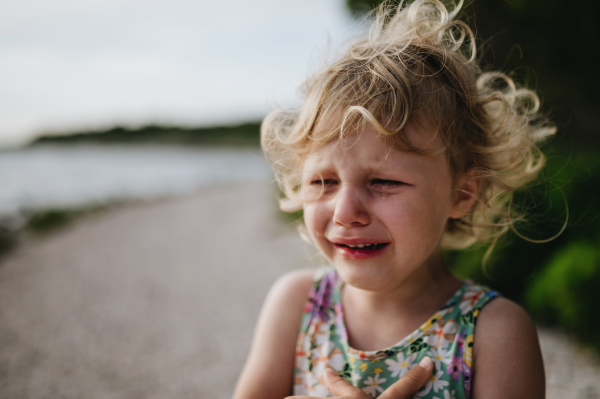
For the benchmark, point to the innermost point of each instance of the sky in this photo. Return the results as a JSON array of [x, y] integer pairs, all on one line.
[[70, 65]]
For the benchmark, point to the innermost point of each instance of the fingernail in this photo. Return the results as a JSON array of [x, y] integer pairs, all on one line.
[[425, 362], [330, 371]]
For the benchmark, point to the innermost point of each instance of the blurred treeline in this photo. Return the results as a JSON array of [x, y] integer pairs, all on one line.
[[246, 134], [550, 46]]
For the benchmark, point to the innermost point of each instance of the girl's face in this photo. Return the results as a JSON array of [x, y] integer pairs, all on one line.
[[382, 211]]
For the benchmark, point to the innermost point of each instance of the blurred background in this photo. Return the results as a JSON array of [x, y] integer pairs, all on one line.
[[138, 223]]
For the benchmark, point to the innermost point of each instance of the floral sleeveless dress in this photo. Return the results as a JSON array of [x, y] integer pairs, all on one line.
[[447, 338]]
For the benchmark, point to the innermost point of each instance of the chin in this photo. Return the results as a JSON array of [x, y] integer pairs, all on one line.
[[363, 277]]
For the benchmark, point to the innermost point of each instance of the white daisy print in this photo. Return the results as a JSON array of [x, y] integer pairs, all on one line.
[[441, 357], [402, 365], [441, 334], [469, 300], [372, 385], [325, 354], [322, 333], [434, 383]]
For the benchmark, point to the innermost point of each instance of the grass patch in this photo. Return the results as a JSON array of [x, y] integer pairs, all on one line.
[[9, 239], [48, 220], [39, 223]]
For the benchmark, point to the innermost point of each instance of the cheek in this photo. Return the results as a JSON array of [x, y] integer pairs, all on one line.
[[438, 212], [409, 219], [315, 219], [417, 218]]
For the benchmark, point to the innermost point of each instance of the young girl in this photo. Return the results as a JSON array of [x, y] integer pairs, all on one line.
[[403, 146]]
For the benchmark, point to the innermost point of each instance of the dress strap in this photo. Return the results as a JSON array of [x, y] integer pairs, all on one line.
[[320, 302], [469, 320], [488, 296]]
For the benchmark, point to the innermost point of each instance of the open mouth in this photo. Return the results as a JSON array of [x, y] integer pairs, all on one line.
[[364, 247]]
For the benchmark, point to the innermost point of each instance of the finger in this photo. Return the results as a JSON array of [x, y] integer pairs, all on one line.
[[408, 385], [340, 387]]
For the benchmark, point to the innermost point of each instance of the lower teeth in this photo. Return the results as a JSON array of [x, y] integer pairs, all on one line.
[[370, 247]]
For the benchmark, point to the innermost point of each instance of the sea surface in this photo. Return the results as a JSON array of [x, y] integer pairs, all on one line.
[[70, 176]]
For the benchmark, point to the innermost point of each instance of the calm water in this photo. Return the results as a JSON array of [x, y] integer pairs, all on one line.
[[71, 176]]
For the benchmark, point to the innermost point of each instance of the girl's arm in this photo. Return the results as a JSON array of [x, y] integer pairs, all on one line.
[[507, 361], [268, 372]]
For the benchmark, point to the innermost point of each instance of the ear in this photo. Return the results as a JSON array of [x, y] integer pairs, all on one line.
[[465, 194]]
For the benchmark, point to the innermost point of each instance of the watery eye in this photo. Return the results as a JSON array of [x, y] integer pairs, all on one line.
[[386, 183], [323, 182]]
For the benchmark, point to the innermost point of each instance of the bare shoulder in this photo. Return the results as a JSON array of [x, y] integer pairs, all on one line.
[[293, 286], [269, 368], [507, 360], [502, 316], [284, 304]]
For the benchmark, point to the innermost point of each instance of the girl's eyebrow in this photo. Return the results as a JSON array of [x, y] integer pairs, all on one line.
[[414, 165]]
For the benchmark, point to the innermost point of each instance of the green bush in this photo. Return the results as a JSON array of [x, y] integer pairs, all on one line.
[[557, 281], [567, 291]]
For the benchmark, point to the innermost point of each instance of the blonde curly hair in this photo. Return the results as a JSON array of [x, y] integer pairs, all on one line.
[[419, 63]]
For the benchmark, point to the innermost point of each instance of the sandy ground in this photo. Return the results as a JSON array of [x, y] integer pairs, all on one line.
[[159, 300]]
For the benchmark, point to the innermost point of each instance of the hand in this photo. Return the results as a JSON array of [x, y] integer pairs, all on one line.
[[404, 388]]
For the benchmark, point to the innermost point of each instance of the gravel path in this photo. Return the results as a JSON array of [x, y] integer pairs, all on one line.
[[159, 300]]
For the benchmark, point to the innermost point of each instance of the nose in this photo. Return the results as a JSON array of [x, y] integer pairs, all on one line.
[[350, 209]]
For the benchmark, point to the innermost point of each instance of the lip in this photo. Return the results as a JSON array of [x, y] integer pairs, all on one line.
[[358, 253]]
